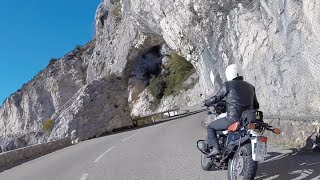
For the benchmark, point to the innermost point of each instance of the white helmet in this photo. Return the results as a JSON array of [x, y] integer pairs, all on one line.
[[232, 72]]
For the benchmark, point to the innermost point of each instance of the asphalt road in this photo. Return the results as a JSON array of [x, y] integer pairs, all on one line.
[[164, 151]]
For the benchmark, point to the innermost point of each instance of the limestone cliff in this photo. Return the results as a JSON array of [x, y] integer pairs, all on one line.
[[276, 43]]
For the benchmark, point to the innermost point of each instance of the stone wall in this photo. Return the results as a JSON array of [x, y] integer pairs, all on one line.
[[295, 132], [15, 156]]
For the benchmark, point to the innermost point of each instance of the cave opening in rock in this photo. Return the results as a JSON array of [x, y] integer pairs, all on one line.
[[146, 65], [161, 71]]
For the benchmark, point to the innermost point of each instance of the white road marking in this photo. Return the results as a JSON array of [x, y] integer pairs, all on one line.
[[130, 136], [104, 154], [84, 177]]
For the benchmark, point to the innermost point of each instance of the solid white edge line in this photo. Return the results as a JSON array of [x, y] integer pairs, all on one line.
[[84, 177], [130, 136], [104, 154]]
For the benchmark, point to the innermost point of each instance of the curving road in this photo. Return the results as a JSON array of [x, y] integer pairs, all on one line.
[[162, 151]]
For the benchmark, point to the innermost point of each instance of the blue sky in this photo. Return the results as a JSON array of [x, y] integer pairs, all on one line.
[[33, 31]]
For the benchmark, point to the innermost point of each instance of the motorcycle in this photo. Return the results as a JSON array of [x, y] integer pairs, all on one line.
[[242, 144]]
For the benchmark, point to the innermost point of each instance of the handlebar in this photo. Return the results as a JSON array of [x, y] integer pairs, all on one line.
[[268, 127]]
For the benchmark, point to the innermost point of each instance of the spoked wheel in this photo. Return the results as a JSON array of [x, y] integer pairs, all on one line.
[[242, 166]]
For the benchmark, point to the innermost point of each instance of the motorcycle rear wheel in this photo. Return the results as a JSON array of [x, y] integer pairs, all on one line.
[[242, 166]]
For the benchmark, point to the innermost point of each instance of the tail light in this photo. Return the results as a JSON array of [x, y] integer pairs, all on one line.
[[262, 139], [252, 126]]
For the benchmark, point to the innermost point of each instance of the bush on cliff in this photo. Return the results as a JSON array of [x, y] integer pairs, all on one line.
[[180, 69], [157, 86], [48, 125], [164, 85]]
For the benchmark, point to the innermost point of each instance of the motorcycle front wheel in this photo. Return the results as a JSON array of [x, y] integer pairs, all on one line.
[[206, 163], [242, 166]]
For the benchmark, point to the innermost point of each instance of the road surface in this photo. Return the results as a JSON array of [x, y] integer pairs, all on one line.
[[164, 151]]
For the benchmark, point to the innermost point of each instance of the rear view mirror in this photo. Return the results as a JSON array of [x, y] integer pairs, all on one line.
[[202, 146]]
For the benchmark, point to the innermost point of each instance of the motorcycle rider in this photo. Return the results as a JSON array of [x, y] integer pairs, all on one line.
[[239, 96]]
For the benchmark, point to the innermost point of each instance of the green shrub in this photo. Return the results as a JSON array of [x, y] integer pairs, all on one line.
[[52, 61], [117, 10], [164, 85], [48, 125], [79, 54], [77, 47], [157, 86], [180, 69], [80, 51]]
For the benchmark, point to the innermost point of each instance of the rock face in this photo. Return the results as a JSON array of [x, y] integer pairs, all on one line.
[[275, 42], [293, 135], [95, 109], [62, 94], [23, 113]]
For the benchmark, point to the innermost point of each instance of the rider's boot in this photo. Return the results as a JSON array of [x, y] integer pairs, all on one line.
[[214, 150]]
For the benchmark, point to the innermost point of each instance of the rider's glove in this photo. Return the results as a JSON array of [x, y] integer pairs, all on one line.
[[206, 103]]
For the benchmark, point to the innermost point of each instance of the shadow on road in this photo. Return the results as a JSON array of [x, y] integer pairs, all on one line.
[[294, 165]]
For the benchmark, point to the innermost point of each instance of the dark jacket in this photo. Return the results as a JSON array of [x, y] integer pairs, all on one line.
[[238, 94]]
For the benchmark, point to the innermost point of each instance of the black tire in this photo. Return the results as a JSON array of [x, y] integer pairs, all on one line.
[[249, 169], [206, 163]]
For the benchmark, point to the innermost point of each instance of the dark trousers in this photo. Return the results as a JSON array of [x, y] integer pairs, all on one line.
[[218, 125]]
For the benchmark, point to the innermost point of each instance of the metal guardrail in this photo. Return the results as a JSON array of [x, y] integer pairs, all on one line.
[[154, 117], [164, 116], [304, 118]]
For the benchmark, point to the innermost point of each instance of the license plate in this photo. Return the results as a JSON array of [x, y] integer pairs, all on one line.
[[260, 149]]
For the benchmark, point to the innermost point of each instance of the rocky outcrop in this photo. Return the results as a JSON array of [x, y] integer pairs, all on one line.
[[274, 41], [95, 109], [118, 41], [23, 113]]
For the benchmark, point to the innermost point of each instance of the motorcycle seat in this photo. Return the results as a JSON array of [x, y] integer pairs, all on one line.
[[234, 127]]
